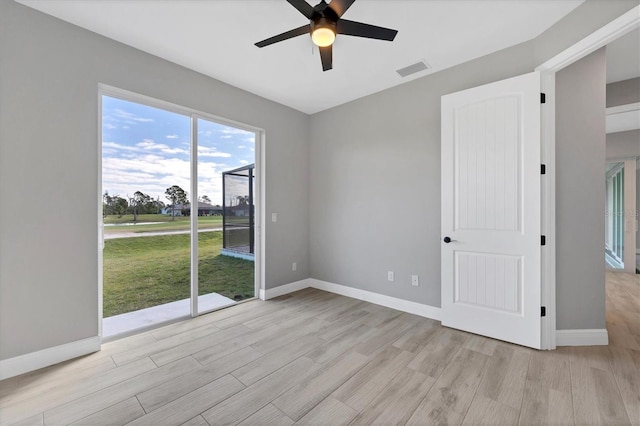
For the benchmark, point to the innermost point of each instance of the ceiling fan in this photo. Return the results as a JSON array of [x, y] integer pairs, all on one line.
[[325, 23]]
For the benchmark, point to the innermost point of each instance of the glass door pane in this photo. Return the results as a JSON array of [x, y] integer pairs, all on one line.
[[145, 179], [226, 161]]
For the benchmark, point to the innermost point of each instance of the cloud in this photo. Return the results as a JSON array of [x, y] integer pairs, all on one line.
[[148, 173], [150, 145], [234, 131], [216, 154], [204, 151], [130, 117], [153, 161], [153, 174], [118, 147]]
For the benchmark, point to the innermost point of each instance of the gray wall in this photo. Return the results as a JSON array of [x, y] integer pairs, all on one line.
[[49, 75], [623, 144], [581, 22], [375, 181], [580, 169], [623, 92]]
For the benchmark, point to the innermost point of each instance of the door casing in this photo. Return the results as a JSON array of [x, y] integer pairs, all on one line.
[[605, 35]]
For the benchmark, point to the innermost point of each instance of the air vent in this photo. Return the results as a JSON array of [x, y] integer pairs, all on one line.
[[412, 69]]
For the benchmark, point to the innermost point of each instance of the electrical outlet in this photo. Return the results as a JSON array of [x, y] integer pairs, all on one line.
[[274, 217], [415, 281], [390, 276], [294, 266]]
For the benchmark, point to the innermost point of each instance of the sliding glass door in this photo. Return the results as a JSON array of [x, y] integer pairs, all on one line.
[[224, 276], [164, 210], [615, 227]]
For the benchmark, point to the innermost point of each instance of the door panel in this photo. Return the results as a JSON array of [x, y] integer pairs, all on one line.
[[489, 281], [488, 192], [491, 210]]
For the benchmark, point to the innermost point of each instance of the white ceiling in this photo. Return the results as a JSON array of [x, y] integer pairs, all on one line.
[[216, 38]]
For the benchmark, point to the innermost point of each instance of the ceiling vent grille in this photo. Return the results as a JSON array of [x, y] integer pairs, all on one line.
[[412, 69]]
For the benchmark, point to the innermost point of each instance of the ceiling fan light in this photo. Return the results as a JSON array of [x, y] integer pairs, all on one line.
[[323, 36]]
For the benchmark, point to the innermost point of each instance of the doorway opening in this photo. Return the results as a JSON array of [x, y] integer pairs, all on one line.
[[614, 228], [162, 213]]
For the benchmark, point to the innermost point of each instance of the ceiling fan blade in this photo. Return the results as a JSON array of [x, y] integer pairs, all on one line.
[[305, 29], [326, 55], [359, 29], [340, 6], [303, 7]]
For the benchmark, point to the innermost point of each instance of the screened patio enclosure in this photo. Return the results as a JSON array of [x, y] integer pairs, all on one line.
[[238, 219]]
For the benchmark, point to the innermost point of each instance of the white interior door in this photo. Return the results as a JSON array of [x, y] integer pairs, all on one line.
[[491, 210]]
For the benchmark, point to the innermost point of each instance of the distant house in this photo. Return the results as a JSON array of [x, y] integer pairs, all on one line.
[[204, 209], [238, 211], [173, 210]]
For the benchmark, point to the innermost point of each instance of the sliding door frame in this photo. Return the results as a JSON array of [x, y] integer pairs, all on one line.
[[259, 196]]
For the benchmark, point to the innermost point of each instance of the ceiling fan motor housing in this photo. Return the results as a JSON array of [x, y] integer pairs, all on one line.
[[323, 17], [323, 22]]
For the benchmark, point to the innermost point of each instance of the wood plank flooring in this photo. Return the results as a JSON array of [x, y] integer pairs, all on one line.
[[318, 358]]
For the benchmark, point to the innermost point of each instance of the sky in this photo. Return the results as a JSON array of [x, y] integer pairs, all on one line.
[[147, 149]]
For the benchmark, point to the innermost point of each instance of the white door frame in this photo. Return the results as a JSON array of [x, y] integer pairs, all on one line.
[[605, 35]]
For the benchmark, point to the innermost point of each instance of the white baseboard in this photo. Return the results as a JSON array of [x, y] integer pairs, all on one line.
[[594, 337], [270, 293], [379, 299], [35, 360], [367, 296]]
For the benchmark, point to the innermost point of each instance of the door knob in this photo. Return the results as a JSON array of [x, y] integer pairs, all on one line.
[[447, 240]]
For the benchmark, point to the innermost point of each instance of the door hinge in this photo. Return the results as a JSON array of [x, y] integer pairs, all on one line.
[[543, 311], [543, 240], [543, 169], [543, 98]]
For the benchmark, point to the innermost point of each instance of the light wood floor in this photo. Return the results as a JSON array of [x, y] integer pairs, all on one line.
[[318, 358]]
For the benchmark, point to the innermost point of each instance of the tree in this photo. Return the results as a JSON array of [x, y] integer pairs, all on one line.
[[106, 201], [120, 205], [137, 203], [243, 200], [176, 195], [114, 204], [205, 199], [151, 206]]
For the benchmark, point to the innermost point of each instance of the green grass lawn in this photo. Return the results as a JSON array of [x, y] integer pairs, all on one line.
[[128, 218], [181, 223], [149, 271]]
